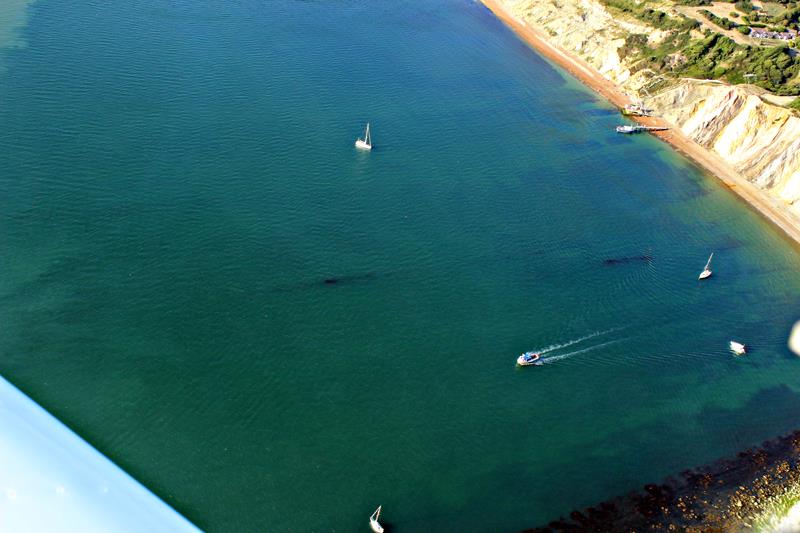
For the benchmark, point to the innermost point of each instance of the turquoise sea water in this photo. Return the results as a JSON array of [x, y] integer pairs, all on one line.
[[178, 181]]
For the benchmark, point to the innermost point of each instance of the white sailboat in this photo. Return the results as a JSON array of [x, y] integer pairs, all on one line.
[[707, 270], [738, 348], [373, 520], [366, 142]]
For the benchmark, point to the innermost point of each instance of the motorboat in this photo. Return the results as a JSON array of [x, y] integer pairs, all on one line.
[[374, 525], [738, 348], [530, 359]]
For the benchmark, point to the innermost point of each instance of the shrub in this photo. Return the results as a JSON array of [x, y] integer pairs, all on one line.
[[653, 17], [722, 22]]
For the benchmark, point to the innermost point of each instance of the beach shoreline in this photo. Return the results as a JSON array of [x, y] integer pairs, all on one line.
[[712, 163]]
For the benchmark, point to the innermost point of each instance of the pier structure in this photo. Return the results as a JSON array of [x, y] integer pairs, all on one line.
[[628, 129]]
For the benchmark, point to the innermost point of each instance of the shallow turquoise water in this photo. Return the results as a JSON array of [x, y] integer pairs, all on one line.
[[179, 180]]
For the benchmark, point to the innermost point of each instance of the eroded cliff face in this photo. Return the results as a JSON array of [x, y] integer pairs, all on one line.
[[586, 29], [760, 140]]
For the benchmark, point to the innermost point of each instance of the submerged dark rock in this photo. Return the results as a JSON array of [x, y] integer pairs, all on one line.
[[349, 279], [631, 259], [313, 284]]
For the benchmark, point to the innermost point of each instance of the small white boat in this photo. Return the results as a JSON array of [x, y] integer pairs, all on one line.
[[738, 348], [529, 359], [373, 521], [706, 273], [366, 142], [627, 129]]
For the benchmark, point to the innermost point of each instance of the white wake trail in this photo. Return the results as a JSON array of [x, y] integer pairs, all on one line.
[[561, 357], [574, 341]]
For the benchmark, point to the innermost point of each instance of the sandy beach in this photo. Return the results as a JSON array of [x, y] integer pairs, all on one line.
[[711, 162]]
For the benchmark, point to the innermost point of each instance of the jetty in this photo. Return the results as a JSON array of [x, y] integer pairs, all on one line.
[[628, 129]]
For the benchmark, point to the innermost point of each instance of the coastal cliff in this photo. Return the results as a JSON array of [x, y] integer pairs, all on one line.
[[759, 140], [583, 28]]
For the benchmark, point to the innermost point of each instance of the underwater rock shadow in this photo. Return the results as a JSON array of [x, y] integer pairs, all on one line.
[[332, 281], [341, 280], [647, 258]]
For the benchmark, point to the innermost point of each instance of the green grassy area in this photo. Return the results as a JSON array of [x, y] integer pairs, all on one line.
[[651, 17], [773, 9], [705, 54]]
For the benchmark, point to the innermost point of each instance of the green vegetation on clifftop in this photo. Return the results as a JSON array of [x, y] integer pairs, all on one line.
[[685, 51]]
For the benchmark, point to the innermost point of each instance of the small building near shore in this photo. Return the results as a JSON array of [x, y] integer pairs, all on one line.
[[760, 33]]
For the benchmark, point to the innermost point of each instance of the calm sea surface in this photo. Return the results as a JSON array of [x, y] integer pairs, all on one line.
[[178, 180]]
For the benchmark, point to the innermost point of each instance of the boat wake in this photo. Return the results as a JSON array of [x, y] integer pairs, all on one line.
[[561, 357], [567, 344]]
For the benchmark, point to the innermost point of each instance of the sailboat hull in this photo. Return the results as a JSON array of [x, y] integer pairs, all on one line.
[[706, 273], [361, 145]]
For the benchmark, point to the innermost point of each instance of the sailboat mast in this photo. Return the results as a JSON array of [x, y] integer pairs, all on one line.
[[366, 137], [709, 260]]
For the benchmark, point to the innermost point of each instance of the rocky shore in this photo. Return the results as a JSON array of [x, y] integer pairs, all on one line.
[[733, 494]]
